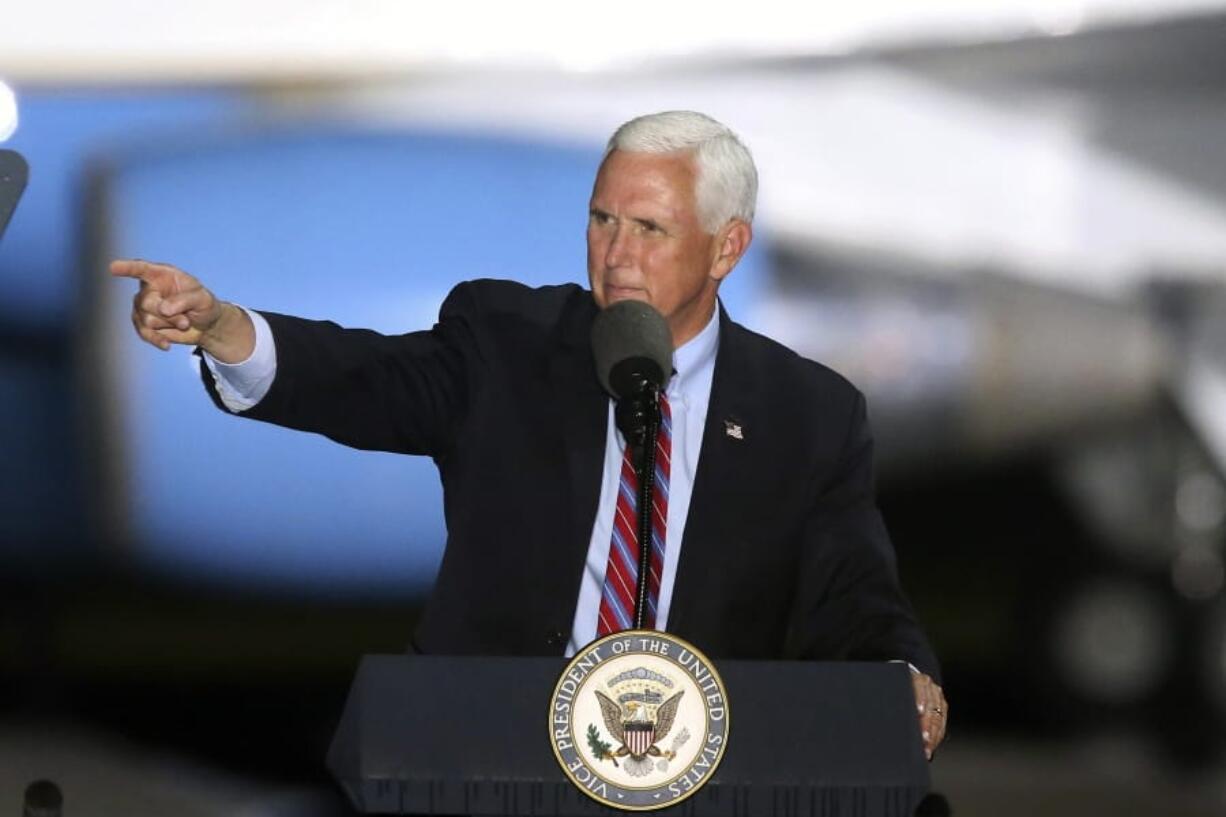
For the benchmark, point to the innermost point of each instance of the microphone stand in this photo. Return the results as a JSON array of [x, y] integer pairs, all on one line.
[[647, 406]]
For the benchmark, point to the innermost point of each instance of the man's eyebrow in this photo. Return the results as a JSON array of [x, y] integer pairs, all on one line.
[[649, 223]]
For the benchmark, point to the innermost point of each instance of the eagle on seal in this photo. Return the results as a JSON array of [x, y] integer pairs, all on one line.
[[631, 727]]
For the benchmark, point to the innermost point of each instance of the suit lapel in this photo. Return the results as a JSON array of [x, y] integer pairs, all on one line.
[[724, 462]]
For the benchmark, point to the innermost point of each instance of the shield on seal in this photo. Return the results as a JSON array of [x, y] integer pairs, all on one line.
[[640, 735]]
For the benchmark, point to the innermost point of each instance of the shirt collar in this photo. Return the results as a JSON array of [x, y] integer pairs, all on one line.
[[694, 360]]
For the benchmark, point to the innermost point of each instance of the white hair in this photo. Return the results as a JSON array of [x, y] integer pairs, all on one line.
[[727, 183]]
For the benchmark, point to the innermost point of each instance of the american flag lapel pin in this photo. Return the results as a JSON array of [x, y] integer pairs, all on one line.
[[733, 429]]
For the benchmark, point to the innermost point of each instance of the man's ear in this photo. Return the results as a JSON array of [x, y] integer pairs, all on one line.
[[730, 244]]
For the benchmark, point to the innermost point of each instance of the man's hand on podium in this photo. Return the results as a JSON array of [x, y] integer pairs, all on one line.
[[173, 307], [933, 711]]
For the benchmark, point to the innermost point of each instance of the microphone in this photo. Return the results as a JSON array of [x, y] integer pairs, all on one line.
[[43, 799], [14, 173], [634, 356], [933, 805], [633, 348]]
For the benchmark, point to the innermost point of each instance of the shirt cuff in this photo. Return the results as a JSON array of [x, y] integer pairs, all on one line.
[[242, 385]]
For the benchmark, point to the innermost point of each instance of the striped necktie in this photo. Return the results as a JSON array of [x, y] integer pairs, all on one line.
[[622, 572]]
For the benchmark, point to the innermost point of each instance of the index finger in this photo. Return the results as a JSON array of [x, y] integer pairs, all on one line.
[[147, 271]]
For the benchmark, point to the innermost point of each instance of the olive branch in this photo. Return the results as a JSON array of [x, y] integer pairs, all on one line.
[[602, 750]]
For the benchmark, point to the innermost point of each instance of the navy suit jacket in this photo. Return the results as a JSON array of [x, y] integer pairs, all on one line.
[[784, 553]]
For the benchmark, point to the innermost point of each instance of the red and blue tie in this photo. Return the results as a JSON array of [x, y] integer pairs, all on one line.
[[622, 573]]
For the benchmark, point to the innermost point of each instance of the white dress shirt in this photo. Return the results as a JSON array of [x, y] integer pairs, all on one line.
[[241, 385], [689, 393]]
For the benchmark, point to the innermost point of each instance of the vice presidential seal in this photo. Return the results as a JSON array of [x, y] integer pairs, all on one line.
[[639, 720]]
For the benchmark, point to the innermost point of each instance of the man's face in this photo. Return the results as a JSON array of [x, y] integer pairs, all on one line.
[[644, 240]]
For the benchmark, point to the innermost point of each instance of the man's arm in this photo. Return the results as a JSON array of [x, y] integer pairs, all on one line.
[[849, 603], [404, 393]]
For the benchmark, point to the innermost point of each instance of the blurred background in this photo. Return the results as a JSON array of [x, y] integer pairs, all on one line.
[[1005, 221]]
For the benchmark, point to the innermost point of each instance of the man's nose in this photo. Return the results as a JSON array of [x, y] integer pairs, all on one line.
[[617, 253]]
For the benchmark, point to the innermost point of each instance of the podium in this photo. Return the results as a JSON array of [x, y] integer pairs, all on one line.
[[469, 736]]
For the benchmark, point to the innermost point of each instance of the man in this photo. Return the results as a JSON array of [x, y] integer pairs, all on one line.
[[770, 544]]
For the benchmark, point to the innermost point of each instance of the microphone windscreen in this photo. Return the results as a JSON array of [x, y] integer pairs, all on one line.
[[933, 805], [43, 799], [631, 331], [14, 173]]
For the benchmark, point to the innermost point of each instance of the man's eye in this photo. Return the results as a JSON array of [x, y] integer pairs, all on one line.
[[601, 218]]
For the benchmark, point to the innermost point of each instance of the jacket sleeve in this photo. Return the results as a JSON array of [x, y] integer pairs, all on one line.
[[403, 393], [848, 603]]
